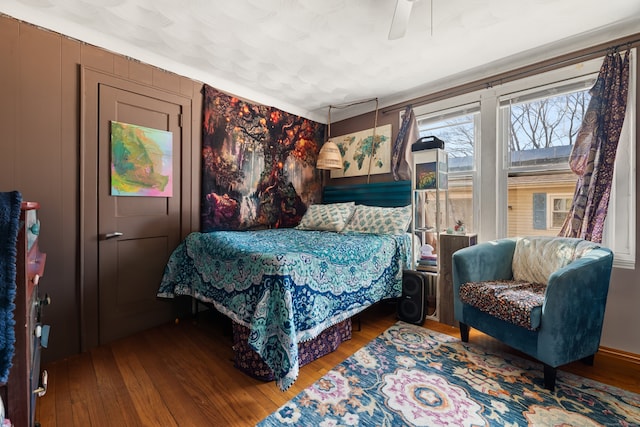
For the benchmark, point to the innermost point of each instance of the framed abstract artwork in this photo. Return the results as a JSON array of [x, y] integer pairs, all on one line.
[[141, 161], [357, 149]]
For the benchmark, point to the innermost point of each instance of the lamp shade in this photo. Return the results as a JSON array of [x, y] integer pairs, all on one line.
[[329, 156]]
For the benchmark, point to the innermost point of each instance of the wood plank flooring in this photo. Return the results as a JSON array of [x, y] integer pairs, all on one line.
[[182, 375]]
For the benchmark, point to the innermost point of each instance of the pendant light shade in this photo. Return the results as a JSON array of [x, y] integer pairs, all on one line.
[[329, 156]]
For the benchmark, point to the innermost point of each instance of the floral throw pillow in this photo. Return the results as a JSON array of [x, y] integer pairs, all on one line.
[[329, 217]]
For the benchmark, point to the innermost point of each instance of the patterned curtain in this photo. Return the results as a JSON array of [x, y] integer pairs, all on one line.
[[594, 152], [407, 135]]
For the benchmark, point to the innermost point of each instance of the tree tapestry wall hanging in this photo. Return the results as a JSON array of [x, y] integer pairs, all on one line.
[[257, 164]]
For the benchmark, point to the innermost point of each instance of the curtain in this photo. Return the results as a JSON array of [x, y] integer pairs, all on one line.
[[407, 135], [594, 151]]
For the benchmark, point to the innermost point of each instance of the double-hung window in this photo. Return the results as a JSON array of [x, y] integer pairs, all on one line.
[[508, 148]]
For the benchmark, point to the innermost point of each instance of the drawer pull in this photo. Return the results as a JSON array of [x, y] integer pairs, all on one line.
[[42, 389], [44, 301]]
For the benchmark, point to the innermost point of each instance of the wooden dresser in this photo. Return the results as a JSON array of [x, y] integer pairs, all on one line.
[[25, 382]]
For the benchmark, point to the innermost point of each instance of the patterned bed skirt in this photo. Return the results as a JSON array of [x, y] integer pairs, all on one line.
[[248, 361]]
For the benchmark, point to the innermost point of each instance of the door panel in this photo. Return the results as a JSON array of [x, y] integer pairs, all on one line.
[[131, 264]]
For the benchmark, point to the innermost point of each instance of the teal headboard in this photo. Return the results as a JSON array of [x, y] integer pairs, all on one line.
[[387, 194]]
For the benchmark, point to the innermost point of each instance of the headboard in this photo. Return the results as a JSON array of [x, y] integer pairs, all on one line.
[[386, 194]]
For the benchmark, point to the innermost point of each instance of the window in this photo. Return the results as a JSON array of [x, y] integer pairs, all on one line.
[[508, 147], [559, 206], [457, 126], [539, 128]]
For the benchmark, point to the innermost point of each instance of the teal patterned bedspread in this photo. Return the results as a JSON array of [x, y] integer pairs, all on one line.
[[287, 285]]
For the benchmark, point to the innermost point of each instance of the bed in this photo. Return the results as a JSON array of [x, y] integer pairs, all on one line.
[[285, 288]]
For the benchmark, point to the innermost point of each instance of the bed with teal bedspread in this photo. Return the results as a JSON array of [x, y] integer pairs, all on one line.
[[287, 285]]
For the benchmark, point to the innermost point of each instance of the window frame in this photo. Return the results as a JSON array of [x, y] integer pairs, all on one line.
[[490, 154], [551, 210]]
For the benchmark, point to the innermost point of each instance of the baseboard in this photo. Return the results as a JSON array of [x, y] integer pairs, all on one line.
[[619, 354]]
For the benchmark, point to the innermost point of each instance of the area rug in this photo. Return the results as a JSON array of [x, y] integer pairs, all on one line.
[[410, 375]]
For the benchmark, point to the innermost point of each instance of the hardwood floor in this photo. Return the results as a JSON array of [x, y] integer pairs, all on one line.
[[182, 375]]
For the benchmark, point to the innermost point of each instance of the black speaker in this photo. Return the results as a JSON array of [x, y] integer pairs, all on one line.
[[412, 304]]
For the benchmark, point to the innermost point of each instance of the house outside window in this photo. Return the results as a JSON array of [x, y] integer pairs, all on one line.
[[512, 177], [540, 127]]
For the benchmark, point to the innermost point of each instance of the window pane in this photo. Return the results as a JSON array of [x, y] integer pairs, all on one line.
[[458, 134], [461, 202], [541, 131], [521, 212], [558, 219], [457, 128]]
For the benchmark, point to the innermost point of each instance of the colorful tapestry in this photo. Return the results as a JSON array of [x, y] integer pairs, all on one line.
[[258, 164], [411, 376], [287, 285]]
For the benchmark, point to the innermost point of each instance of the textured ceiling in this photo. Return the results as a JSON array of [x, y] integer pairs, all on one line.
[[302, 56]]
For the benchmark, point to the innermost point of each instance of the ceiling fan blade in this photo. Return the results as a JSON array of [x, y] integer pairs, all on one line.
[[400, 19]]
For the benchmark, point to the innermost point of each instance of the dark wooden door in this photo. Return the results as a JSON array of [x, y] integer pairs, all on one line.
[[136, 234]]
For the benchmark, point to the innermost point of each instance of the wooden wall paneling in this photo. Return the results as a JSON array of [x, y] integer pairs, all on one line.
[[95, 57], [88, 254], [121, 66], [166, 80], [9, 33], [62, 284], [193, 190], [190, 88], [38, 148], [140, 73], [38, 157]]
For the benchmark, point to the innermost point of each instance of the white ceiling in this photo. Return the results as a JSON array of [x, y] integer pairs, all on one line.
[[302, 56]]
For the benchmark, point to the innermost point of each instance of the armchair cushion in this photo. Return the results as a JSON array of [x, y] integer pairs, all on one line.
[[535, 258], [517, 302]]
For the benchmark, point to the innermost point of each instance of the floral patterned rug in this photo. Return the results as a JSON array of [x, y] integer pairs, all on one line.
[[410, 375]]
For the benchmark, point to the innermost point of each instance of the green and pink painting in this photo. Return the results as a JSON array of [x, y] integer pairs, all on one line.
[[141, 161]]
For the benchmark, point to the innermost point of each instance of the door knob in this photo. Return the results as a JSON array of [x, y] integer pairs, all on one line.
[[111, 235]]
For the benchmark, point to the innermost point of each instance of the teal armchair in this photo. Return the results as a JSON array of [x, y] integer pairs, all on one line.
[[544, 296]]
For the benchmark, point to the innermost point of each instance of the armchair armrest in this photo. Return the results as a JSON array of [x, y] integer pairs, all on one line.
[[576, 297], [485, 261]]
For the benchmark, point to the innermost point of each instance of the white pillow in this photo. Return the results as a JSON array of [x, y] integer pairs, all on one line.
[[379, 220], [329, 217], [536, 257]]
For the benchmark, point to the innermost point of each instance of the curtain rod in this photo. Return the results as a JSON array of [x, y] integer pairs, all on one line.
[[510, 76], [347, 105]]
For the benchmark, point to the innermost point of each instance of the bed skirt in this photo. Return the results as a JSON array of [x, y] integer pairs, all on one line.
[[248, 361]]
